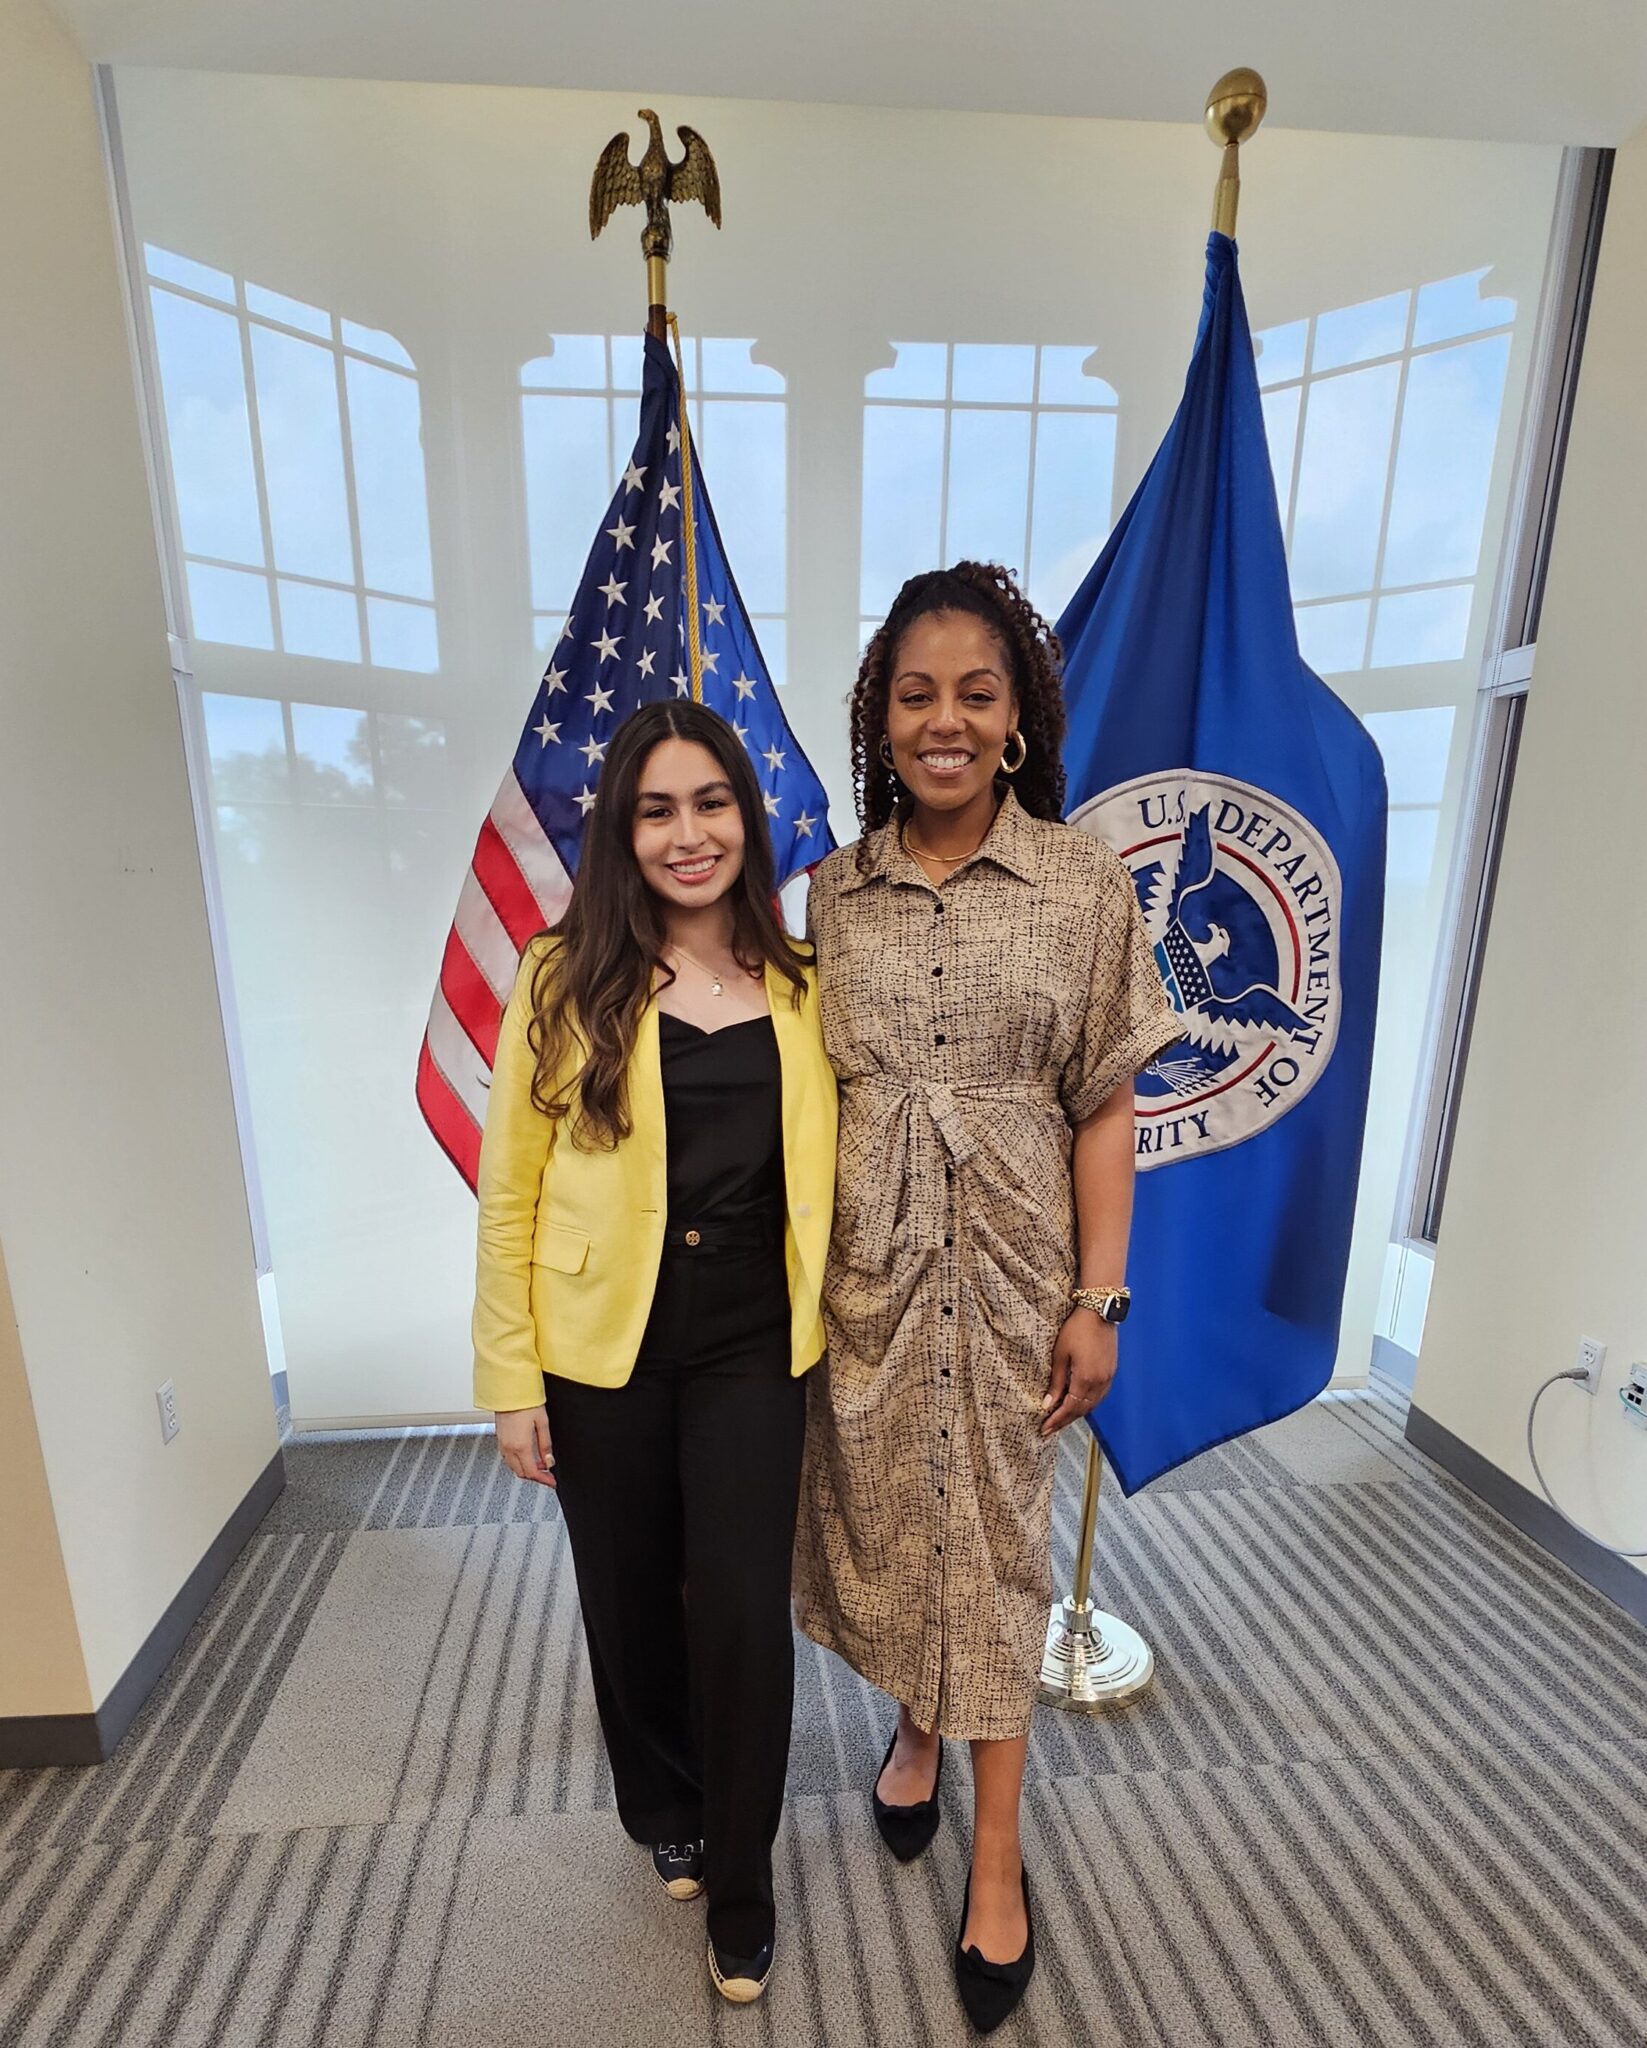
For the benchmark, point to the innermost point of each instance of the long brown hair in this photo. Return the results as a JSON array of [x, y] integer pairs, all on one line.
[[590, 992], [1034, 663]]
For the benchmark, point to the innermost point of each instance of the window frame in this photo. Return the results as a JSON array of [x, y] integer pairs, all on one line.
[[1506, 681]]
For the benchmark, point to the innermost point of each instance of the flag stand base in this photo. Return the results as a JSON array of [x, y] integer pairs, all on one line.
[[1092, 1660]]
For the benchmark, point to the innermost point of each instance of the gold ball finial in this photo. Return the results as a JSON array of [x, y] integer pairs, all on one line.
[[1235, 106]]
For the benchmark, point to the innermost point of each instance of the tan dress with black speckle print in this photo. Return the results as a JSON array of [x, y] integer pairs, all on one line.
[[969, 1026]]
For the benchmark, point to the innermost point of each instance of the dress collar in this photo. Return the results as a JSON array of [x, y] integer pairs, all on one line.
[[1012, 843]]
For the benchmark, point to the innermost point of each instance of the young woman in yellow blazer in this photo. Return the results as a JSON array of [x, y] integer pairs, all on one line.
[[656, 1186]]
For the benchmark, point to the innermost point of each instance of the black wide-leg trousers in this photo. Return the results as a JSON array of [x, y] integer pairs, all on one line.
[[679, 1491]]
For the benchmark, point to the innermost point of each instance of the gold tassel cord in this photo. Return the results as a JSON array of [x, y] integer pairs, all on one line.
[[689, 528]]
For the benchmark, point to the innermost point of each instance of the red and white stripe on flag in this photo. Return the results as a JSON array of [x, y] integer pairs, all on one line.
[[517, 885]]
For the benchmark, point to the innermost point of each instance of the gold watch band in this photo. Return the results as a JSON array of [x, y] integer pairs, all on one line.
[[1099, 1299]]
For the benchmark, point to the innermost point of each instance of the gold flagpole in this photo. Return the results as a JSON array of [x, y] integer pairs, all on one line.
[[653, 183], [1093, 1660]]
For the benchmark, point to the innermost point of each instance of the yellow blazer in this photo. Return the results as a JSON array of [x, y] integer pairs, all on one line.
[[570, 1241]]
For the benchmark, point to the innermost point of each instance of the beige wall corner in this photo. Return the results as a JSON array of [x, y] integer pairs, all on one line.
[[41, 1668], [1547, 1203], [122, 1207]]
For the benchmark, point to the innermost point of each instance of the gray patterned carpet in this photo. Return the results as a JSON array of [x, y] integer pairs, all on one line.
[[1391, 1787]]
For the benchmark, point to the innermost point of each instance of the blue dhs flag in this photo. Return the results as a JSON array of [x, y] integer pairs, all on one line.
[[626, 642], [1249, 803]]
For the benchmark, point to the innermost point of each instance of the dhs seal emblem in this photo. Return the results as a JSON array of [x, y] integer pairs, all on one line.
[[1241, 896]]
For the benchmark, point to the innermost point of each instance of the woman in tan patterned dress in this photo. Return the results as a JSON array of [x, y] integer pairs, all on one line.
[[988, 992]]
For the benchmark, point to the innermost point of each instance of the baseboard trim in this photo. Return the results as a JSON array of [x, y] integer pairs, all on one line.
[[1532, 1515], [1394, 1363], [31, 1741]]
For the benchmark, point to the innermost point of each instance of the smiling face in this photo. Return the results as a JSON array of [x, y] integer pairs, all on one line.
[[949, 710], [688, 830]]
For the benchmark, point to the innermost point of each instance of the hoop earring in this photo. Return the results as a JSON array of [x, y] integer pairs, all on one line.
[[886, 754], [1023, 756]]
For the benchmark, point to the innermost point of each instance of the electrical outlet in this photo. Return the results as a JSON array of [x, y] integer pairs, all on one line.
[[1588, 1362], [1633, 1394], [166, 1398]]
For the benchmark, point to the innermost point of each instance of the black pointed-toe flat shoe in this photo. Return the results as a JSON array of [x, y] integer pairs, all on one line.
[[680, 1868], [991, 1991], [742, 1979], [906, 1830]]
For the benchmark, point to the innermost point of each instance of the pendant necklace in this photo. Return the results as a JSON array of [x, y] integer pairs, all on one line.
[[716, 986]]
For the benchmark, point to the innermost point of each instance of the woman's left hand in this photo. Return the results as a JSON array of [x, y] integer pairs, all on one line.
[[1083, 1364]]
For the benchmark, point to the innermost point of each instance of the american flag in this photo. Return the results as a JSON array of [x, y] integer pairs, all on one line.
[[624, 644]]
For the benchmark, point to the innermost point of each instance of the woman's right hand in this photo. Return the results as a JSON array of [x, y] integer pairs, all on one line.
[[523, 1443]]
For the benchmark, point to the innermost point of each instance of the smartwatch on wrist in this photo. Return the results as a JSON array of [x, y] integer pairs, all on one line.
[[1108, 1304]]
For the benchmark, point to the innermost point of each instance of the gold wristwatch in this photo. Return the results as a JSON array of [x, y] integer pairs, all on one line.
[[1108, 1304]]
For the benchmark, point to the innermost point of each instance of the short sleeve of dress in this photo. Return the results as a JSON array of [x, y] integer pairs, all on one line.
[[1129, 1017]]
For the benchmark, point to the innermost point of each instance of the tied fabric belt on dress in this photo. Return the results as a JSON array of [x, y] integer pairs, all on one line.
[[921, 1131]]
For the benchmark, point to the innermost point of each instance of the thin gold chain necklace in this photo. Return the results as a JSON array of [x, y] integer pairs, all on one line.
[[717, 985], [948, 860]]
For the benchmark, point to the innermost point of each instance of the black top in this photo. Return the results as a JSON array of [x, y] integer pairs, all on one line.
[[723, 1112]]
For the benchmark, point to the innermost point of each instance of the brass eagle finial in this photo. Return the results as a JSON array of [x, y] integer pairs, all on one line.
[[654, 182]]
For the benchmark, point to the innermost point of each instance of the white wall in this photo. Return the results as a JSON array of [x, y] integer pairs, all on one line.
[[455, 219], [122, 1210], [1546, 1211]]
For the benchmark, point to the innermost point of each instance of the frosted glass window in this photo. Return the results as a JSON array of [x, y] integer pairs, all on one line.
[[1341, 479], [629, 360], [1281, 351], [1449, 430], [1281, 432], [730, 366], [1422, 625], [412, 761], [203, 383], [1393, 463], [246, 748], [990, 371], [979, 473], [568, 487], [744, 458], [372, 341], [773, 638], [270, 477], [921, 371], [902, 499], [1333, 637], [333, 750], [1414, 745], [1455, 306], [402, 635], [231, 605], [1074, 484], [988, 486], [386, 430], [194, 277], [1067, 380], [276, 306], [578, 424], [317, 620], [302, 439], [1358, 334], [1410, 849]]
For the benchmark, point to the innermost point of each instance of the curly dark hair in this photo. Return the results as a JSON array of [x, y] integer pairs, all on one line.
[[1034, 662]]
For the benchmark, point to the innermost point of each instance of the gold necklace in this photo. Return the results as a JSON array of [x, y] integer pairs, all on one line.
[[716, 981], [948, 860]]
